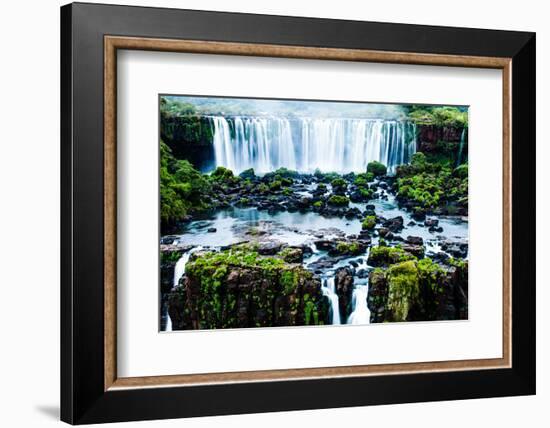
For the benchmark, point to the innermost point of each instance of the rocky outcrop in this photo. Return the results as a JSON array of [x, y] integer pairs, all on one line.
[[237, 289], [343, 284], [419, 291]]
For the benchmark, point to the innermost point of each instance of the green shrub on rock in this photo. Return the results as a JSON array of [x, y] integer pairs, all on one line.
[[338, 200], [369, 222], [376, 168]]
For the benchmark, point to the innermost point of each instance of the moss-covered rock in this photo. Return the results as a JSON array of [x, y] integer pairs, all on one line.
[[419, 290], [376, 168], [382, 255], [369, 222], [338, 200], [239, 288]]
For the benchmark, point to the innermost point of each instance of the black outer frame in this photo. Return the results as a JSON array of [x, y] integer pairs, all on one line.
[[83, 399]]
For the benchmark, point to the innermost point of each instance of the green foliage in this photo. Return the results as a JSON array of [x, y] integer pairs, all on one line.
[[275, 185], [431, 185], [369, 222], [382, 255], [363, 179], [322, 187], [376, 168], [248, 174], [339, 184], [338, 200], [170, 256], [351, 248], [222, 173], [318, 204], [182, 188], [461, 171], [439, 116]]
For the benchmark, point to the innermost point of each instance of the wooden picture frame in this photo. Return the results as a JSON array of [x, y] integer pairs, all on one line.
[[91, 390]]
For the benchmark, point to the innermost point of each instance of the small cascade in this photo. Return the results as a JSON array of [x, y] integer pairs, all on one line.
[[179, 271], [360, 312], [461, 147], [329, 290], [179, 268], [305, 144]]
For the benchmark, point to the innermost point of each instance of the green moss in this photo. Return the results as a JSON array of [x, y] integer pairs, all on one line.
[[339, 184], [363, 179], [338, 200], [318, 204], [352, 248], [403, 289], [369, 222], [262, 188], [376, 168], [287, 191], [383, 255], [322, 187], [275, 185]]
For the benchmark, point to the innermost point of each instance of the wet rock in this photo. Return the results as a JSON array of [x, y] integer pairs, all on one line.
[[325, 244], [385, 233], [269, 248], [455, 248], [411, 223], [292, 255], [415, 240], [394, 224], [362, 273], [343, 283], [211, 230], [431, 222], [415, 250], [377, 295], [435, 229]]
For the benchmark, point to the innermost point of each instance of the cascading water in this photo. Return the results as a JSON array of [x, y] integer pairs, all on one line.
[[305, 144], [360, 312], [328, 288], [461, 147], [179, 271]]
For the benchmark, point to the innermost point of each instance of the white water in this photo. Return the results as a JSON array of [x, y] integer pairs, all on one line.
[[360, 312], [329, 290], [461, 147], [342, 145], [179, 271], [179, 268]]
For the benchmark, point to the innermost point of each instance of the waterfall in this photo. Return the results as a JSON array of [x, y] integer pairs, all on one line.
[[305, 144], [179, 268], [329, 290], [360, 312], [179, 271], [461, 147]]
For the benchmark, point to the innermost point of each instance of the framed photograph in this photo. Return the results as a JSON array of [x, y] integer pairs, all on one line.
[[316, 212]]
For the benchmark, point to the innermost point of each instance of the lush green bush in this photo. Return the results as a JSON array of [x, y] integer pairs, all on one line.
[[431, 185], [183, 189], [439, 116], [376, 168], [338, 200], [369, 222]]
